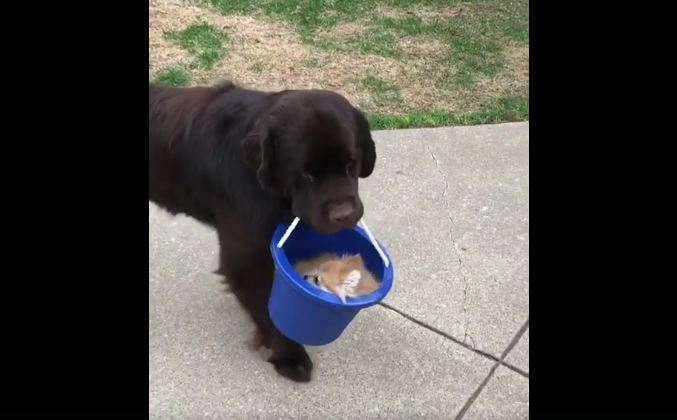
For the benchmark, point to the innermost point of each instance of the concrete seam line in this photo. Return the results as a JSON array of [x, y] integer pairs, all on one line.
[[480, 388]]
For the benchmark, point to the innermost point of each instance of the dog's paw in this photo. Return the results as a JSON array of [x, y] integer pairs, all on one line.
[[297, 367]]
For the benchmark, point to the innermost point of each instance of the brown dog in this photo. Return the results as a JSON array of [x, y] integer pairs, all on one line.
[[243, 161]]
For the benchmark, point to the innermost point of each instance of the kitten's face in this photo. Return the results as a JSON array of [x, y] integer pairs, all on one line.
[[340, 277]]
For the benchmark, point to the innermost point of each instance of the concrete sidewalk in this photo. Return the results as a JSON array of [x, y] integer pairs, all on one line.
[[451, 339]]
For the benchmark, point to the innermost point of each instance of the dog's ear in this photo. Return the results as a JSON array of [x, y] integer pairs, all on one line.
[[258, 151], [364, 140]]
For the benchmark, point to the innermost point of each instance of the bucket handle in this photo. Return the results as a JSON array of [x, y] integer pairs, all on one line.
[[296, 221]]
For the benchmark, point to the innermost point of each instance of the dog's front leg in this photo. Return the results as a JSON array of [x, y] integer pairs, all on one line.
[[249, 271]]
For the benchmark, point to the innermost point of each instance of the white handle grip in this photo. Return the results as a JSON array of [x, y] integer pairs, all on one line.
[[373, 242], [296, 221], [291, 227]]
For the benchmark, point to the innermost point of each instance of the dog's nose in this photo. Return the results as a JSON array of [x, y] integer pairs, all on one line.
[[341, 211]]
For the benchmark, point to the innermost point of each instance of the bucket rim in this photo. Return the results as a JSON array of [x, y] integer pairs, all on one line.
[[290, 275]]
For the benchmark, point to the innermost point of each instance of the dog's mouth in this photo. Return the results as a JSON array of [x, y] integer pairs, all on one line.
[[329, 228], [321, 227], [328, 220]]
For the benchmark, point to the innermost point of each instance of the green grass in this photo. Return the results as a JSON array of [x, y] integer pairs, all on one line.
[[175, 77], [472, 43], [312, 63], [473, 39], [306, 15], [506, 109], [382, 92], [258, 67], [377, 44], [205, 42], [475, 58], [412, 25]]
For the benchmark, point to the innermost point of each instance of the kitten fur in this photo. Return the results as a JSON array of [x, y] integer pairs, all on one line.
[[344, 276]]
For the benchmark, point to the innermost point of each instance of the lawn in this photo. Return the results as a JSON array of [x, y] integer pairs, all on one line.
[[406, 63]]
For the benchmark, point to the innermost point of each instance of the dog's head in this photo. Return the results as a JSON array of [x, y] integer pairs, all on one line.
[[310, 147]]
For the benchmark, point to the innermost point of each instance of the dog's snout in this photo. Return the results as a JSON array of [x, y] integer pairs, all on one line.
[[338, 212]]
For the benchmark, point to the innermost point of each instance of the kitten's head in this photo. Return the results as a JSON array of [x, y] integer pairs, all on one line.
[[341, 276]]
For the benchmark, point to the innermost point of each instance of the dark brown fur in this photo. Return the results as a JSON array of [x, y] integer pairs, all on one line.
[[243, 161]]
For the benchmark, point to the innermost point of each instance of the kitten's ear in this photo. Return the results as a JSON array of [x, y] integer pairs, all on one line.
[[354, 261]]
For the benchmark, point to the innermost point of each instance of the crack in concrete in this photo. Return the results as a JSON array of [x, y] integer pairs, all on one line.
[[454, 339], [493, 369], [466, 318]]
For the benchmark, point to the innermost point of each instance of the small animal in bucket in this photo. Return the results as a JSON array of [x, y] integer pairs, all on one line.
[[343, 276]]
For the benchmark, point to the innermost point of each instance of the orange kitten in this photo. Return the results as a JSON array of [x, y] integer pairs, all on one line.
[[345, 276]]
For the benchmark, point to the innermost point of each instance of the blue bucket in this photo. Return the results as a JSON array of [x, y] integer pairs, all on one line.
[[302, 311]]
